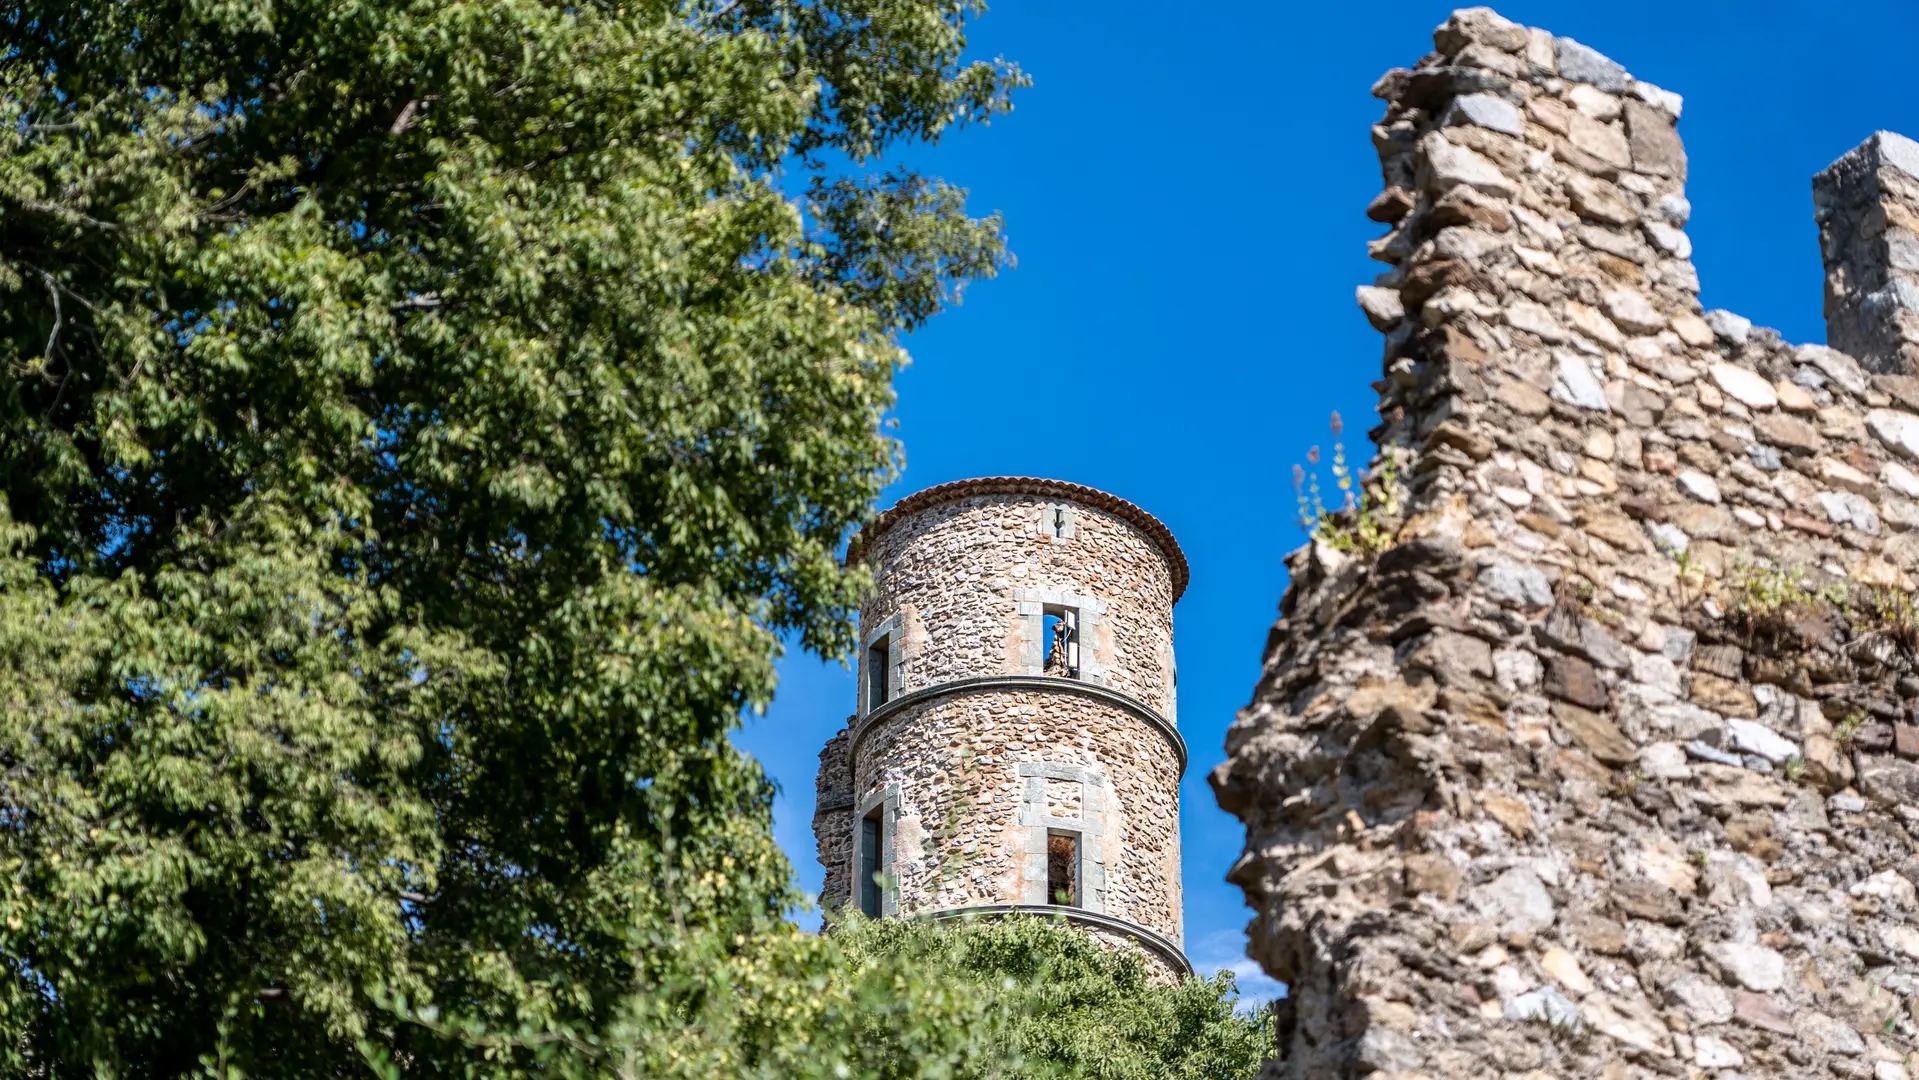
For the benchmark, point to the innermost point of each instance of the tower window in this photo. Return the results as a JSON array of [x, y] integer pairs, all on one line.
[[1062, 868], [872, 839], [1061, 637], [1056, 521], [879, 673]]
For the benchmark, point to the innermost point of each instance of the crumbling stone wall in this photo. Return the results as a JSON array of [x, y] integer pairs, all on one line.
[[961, 832], [1602, 767]]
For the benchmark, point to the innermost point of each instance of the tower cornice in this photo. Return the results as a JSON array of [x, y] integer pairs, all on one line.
[[1052, 684], [1094, 498]]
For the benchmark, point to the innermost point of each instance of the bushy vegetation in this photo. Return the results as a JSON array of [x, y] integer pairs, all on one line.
[[1068, 1007], [422, 422]]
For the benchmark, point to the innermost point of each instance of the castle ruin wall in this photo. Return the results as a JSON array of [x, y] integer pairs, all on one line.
[[1604, 765]]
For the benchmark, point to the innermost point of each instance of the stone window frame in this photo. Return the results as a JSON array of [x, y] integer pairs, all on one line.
[[1032, 605], [1090, 827], [888, 798], [1068, 530], [894, 631]]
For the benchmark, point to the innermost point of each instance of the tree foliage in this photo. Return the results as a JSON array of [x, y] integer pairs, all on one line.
[[421, 420], [421, 423], [1068, 1007]]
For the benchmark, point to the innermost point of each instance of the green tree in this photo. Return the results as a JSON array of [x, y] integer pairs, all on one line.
[[422, 420], [1066, 1005]]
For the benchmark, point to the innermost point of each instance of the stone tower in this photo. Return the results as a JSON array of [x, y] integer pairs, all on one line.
[[1013, 747]]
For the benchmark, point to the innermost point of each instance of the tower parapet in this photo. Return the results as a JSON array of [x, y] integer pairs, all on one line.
[[1013, 744]]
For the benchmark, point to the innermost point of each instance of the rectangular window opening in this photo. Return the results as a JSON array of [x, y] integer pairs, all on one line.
[[879, 673], [872, 838], [1062, 869], [1060, 633], [1060, 525]]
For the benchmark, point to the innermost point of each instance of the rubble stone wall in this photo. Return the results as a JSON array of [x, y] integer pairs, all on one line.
[[1603, 766], [981, 750], [952, 571], [962, 800]]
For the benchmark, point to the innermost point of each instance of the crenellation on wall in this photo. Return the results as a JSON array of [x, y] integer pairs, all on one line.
[[1867, 207], [1605, 765]]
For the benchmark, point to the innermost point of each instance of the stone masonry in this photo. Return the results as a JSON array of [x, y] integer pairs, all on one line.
[[1605, 765], [981, 739]]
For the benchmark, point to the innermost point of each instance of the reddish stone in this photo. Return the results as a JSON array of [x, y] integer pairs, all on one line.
[[1905, 740]]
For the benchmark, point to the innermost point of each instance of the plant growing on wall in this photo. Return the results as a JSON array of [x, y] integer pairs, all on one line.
[[1369, 503]]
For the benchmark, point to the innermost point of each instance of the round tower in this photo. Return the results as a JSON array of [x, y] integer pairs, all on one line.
[[1013, 745]]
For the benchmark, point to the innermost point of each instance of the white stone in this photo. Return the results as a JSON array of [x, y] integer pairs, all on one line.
[[1594, 325], [1828, 1034], [1736, 329], [1631, 1022], [1677, 210], [1655, 671], [1452, 166], [1659, 98], [1576, 384], [1517, 669], [1594, 102], [1664, 761], [1699, 486], [1545, 1005], [1898, 151], [1534, 319], [1487, 111], [1756, 738], [1383, 307], [1898, 430], [1705, 1001], [1633, 312], [1515, 584], [1518, 898], [1838, 367], [1672, 241], [1564, 967], [1749, 387], [1668, 538], [1902, 938], [1582, 63], [1712, 1052], [1887, 885], [1753, 966], [1900, 479]]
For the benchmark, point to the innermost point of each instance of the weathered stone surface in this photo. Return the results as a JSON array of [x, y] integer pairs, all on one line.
[[1571, 679], [1650, 568], [1656, 149], [1582, 63], [1487, 111], [1753, 966], [1788, 432], [1599, 736], [1383, 307], [1576, 384], [1451, 166], [1746, 386], [1889, 782]]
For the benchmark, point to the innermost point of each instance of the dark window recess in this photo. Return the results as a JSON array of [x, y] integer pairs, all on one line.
[[1057, 519], [879, 674], [872, 832], [1061, 630], [1062, 869]]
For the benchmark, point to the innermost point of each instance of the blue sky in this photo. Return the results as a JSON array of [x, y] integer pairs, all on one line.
[[1184, 187]]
